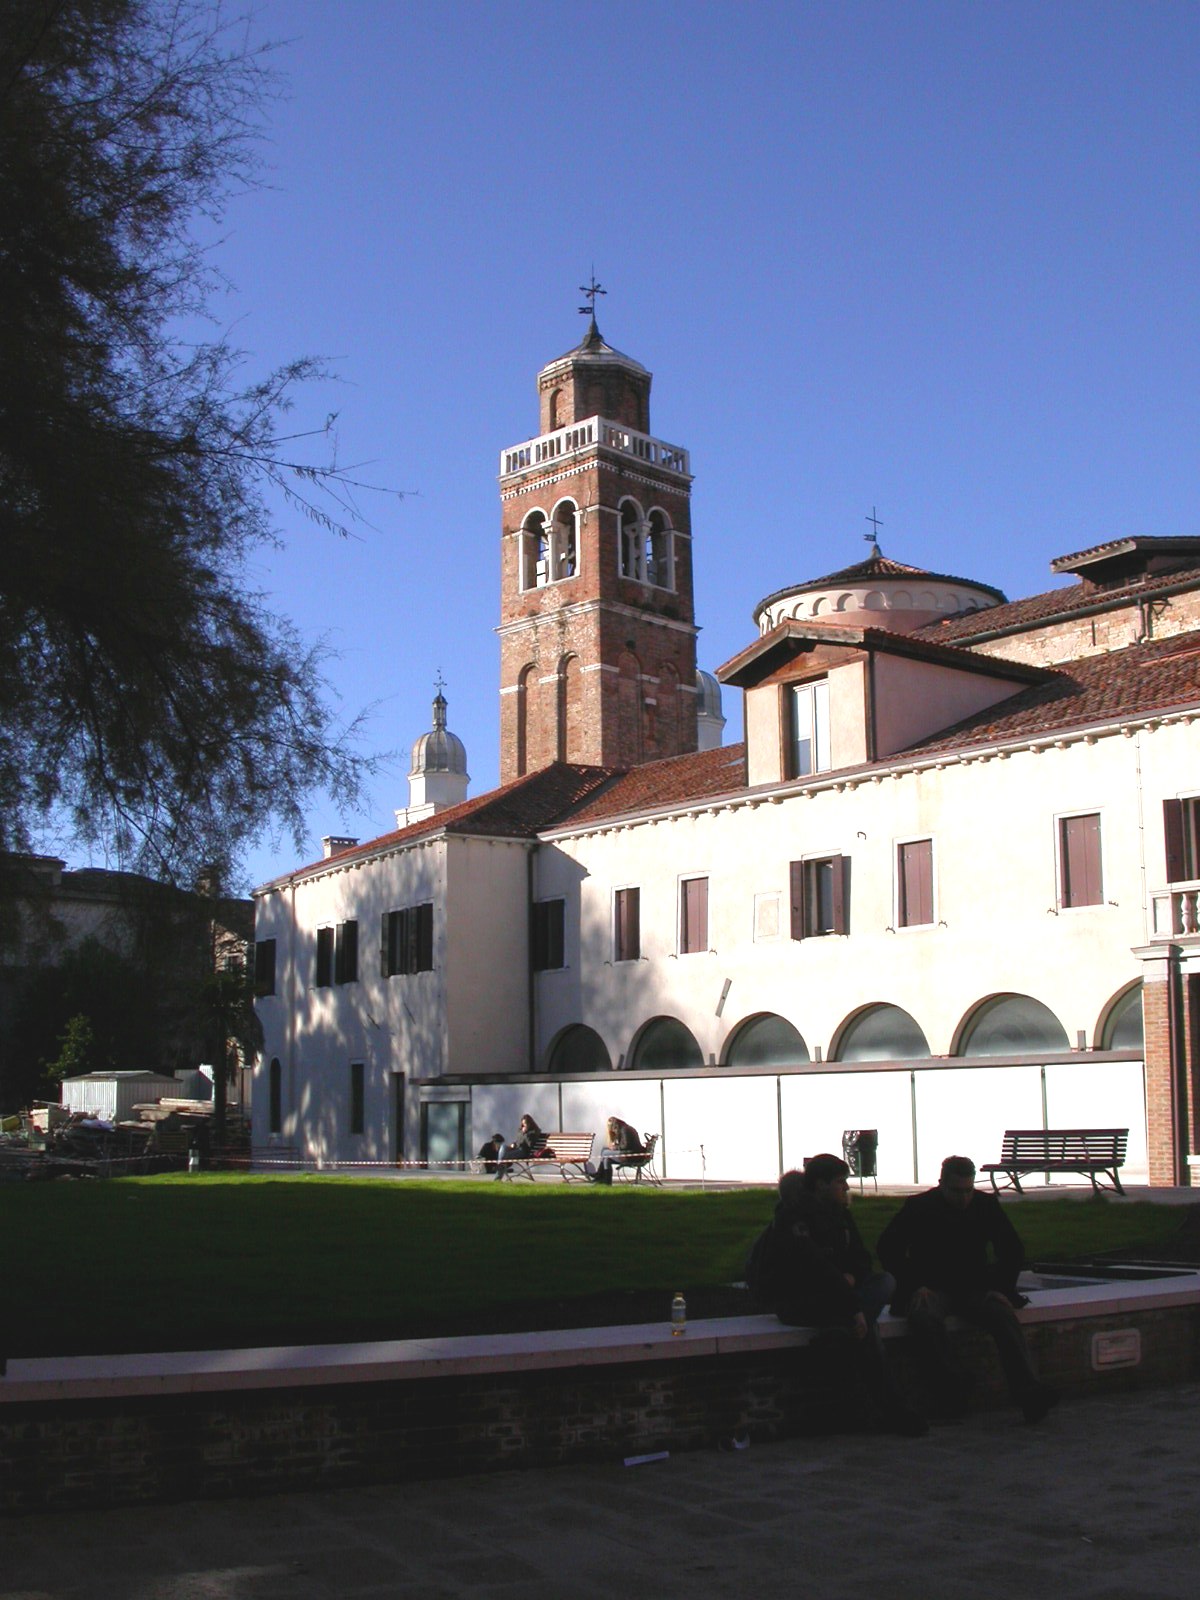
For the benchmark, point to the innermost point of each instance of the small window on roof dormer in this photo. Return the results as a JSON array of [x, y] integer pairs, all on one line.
[[807, 732]]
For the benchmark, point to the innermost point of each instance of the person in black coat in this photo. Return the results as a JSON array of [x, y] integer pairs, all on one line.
[[623, 1140], [530, 1141], [815, 1271], [953, 1252]]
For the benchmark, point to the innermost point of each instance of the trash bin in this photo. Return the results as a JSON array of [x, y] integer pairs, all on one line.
[[860, 1147]]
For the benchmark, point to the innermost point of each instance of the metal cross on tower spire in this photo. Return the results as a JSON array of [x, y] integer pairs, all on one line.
[[873, 536], [590, 290]]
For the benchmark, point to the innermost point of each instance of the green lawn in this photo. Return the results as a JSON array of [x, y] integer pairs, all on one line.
[[194, 1262]]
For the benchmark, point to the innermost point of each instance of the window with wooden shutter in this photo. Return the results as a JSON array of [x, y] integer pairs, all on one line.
[[324, 972], [693, 916], [820, 896], [914, 883], [357, 1097], [1080, 882], [1181, 828], [345, 959], [547, 922], [406, 940], [627, 924], [264, 967]]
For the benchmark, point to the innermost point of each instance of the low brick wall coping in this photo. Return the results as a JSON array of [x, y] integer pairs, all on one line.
[[303, 1366]]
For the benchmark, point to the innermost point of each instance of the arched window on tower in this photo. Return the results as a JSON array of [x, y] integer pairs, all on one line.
[[659, 552], [535, 551], [556, 410], [564, 543], [632, 552], [570, 710], [525, 686]]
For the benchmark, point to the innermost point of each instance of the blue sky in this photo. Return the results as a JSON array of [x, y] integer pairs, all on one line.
[[937, 257]]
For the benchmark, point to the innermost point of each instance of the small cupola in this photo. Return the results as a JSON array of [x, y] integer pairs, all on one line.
[[439, 776], [594, 380]]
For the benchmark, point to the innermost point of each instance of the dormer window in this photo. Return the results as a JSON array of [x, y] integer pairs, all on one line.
[[807, 708]]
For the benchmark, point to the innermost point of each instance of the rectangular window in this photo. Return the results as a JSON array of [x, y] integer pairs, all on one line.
[[1181, 826], [324, 958], [406, 943], [337, 955], [1079, 878], [627, 924], [547, 935], [808, 728], [345, 953], [820, 890], [275, 1096], [914, 883], [693, 916], [264, 967], [357, 1097]]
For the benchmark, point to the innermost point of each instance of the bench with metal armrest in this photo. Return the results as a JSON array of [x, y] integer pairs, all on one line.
[[1092, 1152]]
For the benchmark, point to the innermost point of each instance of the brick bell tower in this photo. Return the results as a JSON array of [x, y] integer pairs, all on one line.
[[597, 623]]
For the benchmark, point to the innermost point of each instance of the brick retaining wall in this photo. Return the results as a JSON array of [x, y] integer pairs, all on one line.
[[602, 1403]]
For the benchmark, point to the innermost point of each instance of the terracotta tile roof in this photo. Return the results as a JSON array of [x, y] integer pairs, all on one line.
[[519, 809], [1134, 682], [660, 784], [791, 637], [1052, 603]]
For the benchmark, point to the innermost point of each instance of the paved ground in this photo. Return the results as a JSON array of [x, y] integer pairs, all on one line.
[[1101, 1503]]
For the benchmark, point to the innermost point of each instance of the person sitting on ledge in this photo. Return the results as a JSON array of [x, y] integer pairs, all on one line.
[[623, 1140], [813, 1269], [938, 1245]]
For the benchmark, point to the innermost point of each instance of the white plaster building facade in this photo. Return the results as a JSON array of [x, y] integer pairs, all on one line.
[[947, 886]]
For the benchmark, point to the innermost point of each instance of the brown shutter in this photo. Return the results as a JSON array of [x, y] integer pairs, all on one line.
[[1173, 833], [385, 968], [841, 894], [424, 921], [796, 885]]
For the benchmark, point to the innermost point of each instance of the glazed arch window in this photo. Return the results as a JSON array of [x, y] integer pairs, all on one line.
[[807, 728]]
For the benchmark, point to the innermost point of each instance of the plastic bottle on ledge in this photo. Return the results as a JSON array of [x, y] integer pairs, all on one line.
[[678, 1315]]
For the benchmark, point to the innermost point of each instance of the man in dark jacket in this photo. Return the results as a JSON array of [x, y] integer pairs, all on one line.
[[953, 1251], [815, 1271]]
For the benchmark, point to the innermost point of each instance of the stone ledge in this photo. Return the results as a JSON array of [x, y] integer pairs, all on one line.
[[59, 1378]]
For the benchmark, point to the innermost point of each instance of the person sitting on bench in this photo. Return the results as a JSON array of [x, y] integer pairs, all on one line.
[[937, 1248], [623, 1140], [529, 1143]]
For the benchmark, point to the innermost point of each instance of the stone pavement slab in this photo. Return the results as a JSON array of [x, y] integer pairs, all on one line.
[[1101, 1502]]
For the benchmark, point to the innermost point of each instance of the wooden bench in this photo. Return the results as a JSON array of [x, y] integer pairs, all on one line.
[[1095, 1152], [566, 1153]]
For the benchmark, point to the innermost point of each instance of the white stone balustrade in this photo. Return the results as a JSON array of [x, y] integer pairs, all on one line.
[[583, 435], [1175, 911]]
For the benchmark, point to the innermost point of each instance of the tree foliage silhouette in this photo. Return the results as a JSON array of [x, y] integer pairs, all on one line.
[[147, 695]]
